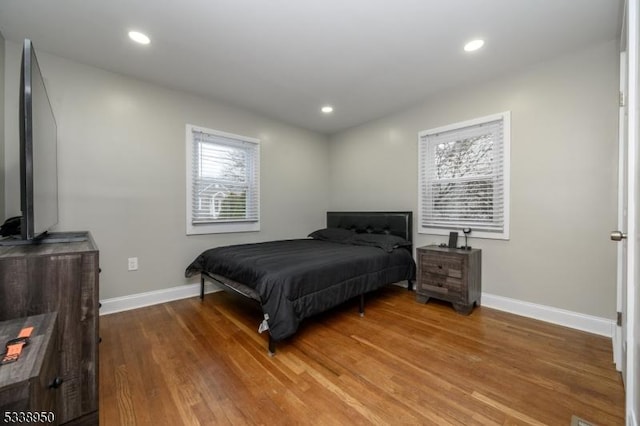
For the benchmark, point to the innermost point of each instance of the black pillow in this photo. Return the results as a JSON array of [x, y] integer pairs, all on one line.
[[387, 242], [336, 235]]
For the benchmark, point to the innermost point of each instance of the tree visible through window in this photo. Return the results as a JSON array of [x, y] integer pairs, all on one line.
[[464, 177], [220, 182]]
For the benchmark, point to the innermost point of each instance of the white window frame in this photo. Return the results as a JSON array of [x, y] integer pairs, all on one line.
[[422, 178], [218, 227]]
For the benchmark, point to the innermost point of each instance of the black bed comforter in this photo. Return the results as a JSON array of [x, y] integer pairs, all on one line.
[[299, 278]]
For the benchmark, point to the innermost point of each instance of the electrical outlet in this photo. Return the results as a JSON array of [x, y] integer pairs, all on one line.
[[133, 263]]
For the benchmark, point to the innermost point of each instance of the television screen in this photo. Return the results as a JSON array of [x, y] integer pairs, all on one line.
[[38, 151]]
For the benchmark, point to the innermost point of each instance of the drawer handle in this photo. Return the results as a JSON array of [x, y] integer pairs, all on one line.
[[439, 284], [57, 382], [439, 266]]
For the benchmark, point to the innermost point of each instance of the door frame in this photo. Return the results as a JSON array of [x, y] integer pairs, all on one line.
[[632, 374], [618, 337]]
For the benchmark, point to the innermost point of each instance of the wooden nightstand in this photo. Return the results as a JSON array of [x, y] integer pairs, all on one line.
[[453, 275]]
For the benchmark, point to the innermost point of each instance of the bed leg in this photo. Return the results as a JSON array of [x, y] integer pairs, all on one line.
[[410, 285], [201, 288], [272, 347], [361, 307]]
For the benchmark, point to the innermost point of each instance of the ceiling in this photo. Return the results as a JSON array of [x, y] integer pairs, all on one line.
[[286, 58]]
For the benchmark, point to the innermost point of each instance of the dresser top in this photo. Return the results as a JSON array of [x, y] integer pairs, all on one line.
[[49, 248]]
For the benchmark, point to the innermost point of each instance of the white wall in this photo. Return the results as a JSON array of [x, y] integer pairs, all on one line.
[[563, 176], [2, 142], [122, 173], [122, 170]]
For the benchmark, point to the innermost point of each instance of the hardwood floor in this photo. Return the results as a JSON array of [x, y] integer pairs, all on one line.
[[191, 362]]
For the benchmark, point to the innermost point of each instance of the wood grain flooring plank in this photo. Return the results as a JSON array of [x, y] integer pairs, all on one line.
[[196, 362]]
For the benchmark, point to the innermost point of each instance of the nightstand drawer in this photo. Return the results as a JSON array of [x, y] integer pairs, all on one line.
[[442, 265], [442, 284]]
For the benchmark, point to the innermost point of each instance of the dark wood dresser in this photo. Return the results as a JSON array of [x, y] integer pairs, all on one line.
[[63, 278], [29, 387], [453, 275]]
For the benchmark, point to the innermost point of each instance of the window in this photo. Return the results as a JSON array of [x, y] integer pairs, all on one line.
[[223, 188], [464, 177]]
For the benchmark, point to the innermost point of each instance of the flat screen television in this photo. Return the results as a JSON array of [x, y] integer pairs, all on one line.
[[38, 151]]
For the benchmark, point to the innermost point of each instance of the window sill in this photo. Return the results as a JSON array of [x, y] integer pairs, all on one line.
[[473, 234], [222, 228]]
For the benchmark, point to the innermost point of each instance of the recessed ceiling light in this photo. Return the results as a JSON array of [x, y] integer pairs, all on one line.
[[327, 109], [138, 37], [473, 45]]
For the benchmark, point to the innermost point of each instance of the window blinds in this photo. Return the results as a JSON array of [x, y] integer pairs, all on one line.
[[462, 178], [225, 179]]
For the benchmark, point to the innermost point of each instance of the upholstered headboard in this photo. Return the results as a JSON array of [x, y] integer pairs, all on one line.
[[394, 223]]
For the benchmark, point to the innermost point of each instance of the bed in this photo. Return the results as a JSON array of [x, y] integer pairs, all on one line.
[[357, 253]]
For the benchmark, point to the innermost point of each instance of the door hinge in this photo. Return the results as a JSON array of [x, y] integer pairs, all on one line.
[[620, 99], [619, 319]]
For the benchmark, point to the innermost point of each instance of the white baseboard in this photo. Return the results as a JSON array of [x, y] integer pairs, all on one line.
[[589, 323], [140, 300]]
